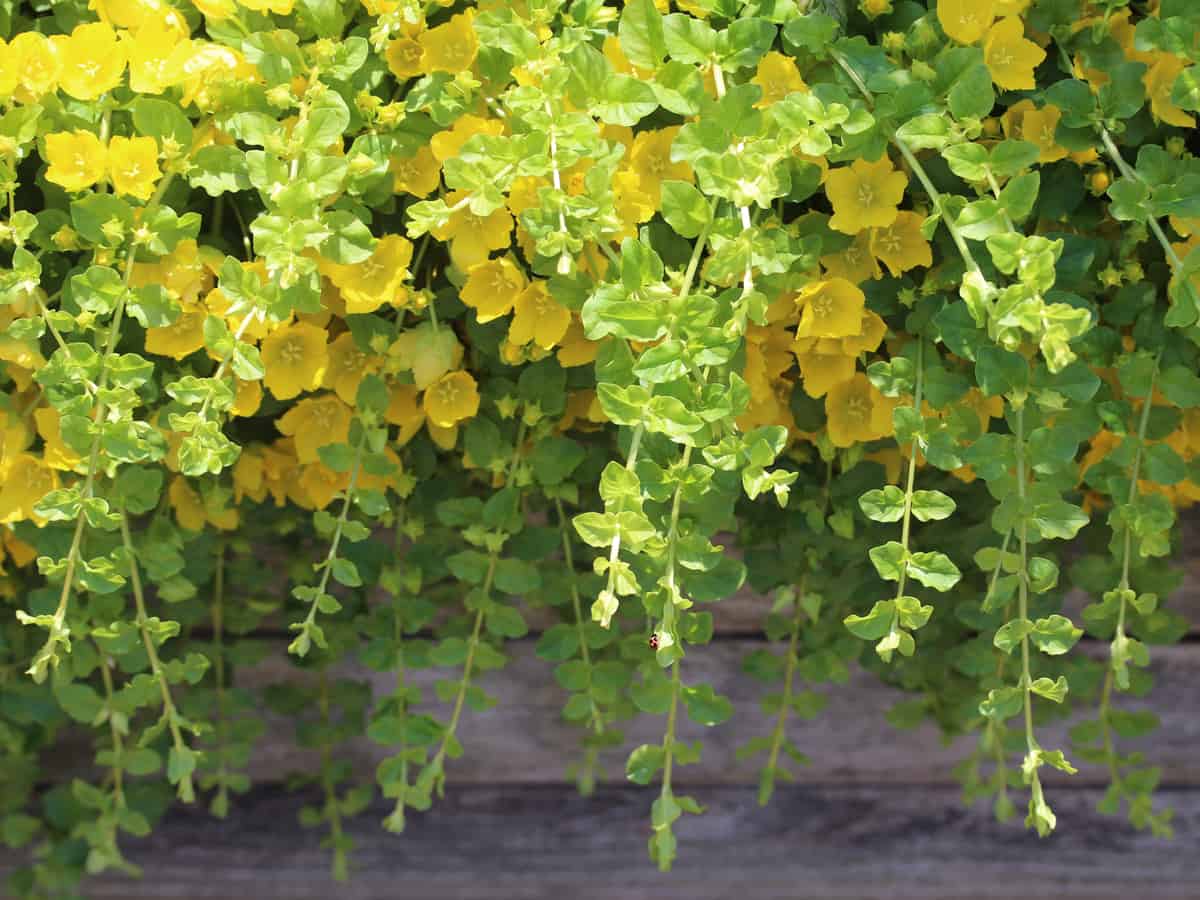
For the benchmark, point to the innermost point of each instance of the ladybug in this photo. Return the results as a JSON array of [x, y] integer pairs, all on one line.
[[653, 642]]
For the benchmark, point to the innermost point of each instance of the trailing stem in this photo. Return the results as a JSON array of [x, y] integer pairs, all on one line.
[[183, 755]]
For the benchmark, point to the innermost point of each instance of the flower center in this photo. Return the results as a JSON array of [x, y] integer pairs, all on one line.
[[321, 417], [858, 409], [292, 351], [866, 195], [822, 305]]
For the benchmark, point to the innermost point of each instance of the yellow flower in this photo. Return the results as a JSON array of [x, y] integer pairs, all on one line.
[[901, 246], [55, 453], [314, 422], [966, 20], [1010, 7], [428, 352], [823, 364], [831, 309], [650, 158], [523, 192], [295, 358], [377, 280], [279, 7], [418, 174], [405, 57], [77, 159], [37, 63], [246, 399], [9, 77], [26, 480], [472, 237], [217, 10], [182, 337], [538, 317], [24, 357], [632, 203], [1023, 121], [870, 335], [319, 486], [404, 410], [492, 288], [348, 365], [133, 165], [864, 195], [93, 61], [1009, 57], [856, 263], [451, 399], [1160, 80], [778, 76], [149, 52], [857, 412], [574, 348], [125, 13], [445, 438], [448, 144], [451, 47], [188, 507], [248, 472]]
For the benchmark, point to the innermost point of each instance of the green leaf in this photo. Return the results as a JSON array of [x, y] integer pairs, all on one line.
[[644, 762], [1181, 386], [874, 624], [624, 100], [641, 34], [931, 505], [346, 573], [968, 161], [930, 131], [1020, 194], [181, 763], [704, 706], [162, 121], [913, 614], [684, 208], [981, 219], [1011, 633], [1055, 690], [883, 504], [1055, 635], [1185, 93], [972, 96], [888, 560], [934, 570], [689, 40]]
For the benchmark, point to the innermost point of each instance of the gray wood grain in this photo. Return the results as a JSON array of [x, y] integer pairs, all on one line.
[[523, 739], [542, 842]]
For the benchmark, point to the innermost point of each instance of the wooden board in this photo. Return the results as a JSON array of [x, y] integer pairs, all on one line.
[[523, 739], [543, 843]]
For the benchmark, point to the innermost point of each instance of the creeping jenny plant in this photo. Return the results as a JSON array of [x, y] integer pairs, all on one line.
[[466, 320]]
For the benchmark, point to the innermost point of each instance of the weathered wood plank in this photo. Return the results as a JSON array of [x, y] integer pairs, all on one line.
[[537, 843], [524, 739]]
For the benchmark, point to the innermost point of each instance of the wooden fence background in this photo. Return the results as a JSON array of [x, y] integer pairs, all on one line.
[[876, 815]]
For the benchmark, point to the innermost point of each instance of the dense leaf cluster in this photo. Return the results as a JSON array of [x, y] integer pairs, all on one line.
[[575, 318]]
